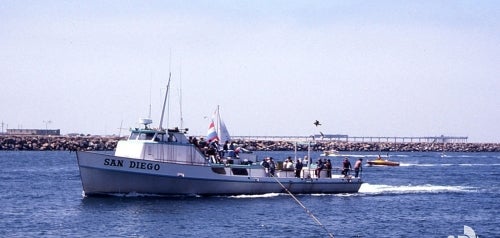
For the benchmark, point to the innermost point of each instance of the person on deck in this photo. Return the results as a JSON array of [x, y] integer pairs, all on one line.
[[265, 164], [288, 164], [212, 154], [328, 166], [346, 166], [319, 167], [202, 143], [305, 162], [298, 168], [195, 142], [358, 167], [232, 146], [272, 166], [225, 147]]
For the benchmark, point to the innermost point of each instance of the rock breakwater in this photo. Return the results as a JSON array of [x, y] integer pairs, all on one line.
[[69, 143], [106, 143], [375, 146]]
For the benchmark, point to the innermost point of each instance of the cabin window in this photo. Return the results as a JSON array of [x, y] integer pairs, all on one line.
[[134, 136], [160, 137], [239, 171], [172, 138], [218, 170], [150, 136], [146, 136]]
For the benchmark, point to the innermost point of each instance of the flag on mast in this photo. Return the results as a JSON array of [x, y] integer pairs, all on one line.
[[212, 134], [217, 129]]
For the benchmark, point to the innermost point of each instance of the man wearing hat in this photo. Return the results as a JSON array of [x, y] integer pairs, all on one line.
[[357, 167]]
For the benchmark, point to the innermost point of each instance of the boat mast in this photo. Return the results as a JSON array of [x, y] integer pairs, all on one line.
[[180, 96], [165, 101], [150, 89]]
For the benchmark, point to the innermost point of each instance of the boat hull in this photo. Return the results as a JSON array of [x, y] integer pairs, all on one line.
[[382, 163], [107, 175]]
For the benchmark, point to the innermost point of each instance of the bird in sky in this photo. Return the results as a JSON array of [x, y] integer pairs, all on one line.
[[316, 123]]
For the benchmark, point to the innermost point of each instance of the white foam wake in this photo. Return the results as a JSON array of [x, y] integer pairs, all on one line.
[[367, 188], [267, 195], [443, 165]]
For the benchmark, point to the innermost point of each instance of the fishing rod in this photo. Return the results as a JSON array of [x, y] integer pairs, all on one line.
[[304, 207]]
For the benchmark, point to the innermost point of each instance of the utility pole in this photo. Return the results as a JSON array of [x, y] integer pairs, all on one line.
[[46, 126], [120, 128]]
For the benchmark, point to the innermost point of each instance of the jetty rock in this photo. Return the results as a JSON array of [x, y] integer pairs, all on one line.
[[54, 143], [108, 143]]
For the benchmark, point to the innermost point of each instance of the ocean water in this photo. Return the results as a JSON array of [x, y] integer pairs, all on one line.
[[427, 196]]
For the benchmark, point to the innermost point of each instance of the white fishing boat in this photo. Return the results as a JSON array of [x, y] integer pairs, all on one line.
[[165, 162]]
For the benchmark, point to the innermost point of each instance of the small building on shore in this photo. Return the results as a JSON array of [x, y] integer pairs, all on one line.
[[36, 132]]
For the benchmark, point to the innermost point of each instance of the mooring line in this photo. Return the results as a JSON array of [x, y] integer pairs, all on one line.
[[304, 207]]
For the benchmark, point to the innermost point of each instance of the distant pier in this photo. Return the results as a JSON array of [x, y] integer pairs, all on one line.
[[398, 139], [346, 138]]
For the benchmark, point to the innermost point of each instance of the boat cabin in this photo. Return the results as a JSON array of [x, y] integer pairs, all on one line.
[[169, 145], [171, 135]]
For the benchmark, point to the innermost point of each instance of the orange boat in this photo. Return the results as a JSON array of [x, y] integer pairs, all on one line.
[[382, 162]]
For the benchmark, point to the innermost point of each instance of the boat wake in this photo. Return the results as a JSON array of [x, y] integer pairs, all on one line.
[[442, 165], [267, 195], [367, 188]]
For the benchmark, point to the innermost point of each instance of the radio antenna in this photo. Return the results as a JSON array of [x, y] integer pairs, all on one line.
[[180, 96], [150, 88]]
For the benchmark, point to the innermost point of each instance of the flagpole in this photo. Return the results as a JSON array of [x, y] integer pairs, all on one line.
[[217, 123]]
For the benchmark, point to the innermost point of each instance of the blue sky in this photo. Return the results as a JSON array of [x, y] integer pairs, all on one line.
[[362, 68]]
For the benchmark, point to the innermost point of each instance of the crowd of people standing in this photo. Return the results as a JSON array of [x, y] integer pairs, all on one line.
[[215, 151], [270, 165], [212, 149]]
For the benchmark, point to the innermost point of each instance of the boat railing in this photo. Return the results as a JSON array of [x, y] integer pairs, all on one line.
[[256, 170], [335, 172]]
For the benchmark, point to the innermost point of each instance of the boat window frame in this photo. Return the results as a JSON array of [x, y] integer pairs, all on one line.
[[134, 135], [172, 137], [143, 135]]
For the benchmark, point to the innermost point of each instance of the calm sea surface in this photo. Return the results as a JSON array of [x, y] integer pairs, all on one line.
[[428, 196]]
